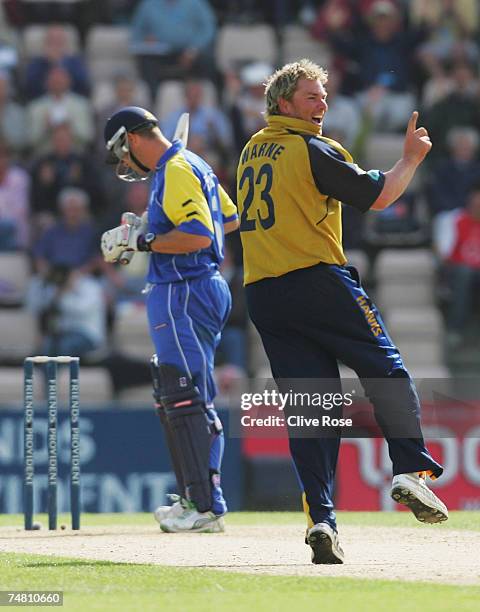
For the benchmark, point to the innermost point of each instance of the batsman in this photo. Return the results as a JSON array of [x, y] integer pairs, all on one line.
[[188, 301]]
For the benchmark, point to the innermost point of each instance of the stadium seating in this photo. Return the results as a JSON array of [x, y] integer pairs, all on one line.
[[135, 396], [95, 387], [405, 295], [34, 35], [405, 279], [415, 323], [14, 277], [383, 151], [297, 44], [170, 97], [239, 44], [105, 69], [257, 358], [359, 260], [131, 332], [405, 265], [107, 42], [107, 52], [18, 334], [103, 94]]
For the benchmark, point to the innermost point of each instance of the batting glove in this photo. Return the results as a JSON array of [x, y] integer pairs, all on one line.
[[119, 239]]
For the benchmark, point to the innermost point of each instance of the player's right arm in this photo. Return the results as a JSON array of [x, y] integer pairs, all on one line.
[[175, 241], [185, 205], [231, 226], [337, 176], [229, 212], [416, 147]]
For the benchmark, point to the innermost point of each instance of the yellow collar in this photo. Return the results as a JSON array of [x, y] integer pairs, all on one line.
[[299, 125]]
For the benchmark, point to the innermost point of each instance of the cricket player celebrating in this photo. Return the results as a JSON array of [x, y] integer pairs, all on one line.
[[188, 302], [309, 308]]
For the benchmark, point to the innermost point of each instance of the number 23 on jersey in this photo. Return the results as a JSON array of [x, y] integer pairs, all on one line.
[[256, 203]]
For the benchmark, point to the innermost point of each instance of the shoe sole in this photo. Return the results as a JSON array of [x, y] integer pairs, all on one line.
[[422, 512], [203, 529], [322, 547]]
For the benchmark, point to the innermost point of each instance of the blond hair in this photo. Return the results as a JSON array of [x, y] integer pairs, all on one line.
[[283, 82]]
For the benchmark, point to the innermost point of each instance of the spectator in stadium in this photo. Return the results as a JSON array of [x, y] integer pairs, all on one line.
[[173, 39], [12, 116], [127, 90], [59, 105], [125, 283], [452, 25], [72, 240], [275, 12], [135, 199], [438, 85], [117, 12], [8, 45], [71, 312], [246, 100], [232, 349], [383, 57], [14, 203], [61, 167], [457, 240], [6, 20], [210, 131], [56, 52], [343, 120], [79, 13], [459, 108], [333, 16], [452, 176]]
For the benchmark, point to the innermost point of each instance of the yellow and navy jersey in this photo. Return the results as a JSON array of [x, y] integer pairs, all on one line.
[[290, 185], [187, 196]]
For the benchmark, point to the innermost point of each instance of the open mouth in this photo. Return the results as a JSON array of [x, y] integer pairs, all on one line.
[[317, 120]]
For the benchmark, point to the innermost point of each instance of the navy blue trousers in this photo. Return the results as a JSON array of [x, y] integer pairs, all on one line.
[[310, 319]]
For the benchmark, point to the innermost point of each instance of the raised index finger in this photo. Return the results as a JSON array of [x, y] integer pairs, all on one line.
[[412, 124]]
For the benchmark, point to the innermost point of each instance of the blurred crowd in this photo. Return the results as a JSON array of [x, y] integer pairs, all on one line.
[[385, 59]]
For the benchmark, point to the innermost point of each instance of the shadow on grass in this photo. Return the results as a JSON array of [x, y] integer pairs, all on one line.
[[55, 533], [76, 563]]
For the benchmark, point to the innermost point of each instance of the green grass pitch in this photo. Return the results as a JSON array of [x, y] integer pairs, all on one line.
[[105, 586]]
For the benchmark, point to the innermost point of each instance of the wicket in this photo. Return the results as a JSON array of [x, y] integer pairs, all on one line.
[[51, 366]]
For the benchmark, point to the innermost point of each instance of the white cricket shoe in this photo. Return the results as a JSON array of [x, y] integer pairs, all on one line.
[[177, 508], [412, 491], [192, 521], [325, 546]]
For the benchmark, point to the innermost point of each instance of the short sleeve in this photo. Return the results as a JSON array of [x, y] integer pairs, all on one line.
[[343, 180], [229, 210], [184, 202]]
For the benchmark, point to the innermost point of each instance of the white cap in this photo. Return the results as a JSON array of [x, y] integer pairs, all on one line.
[[381, 8], [256, 73]]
